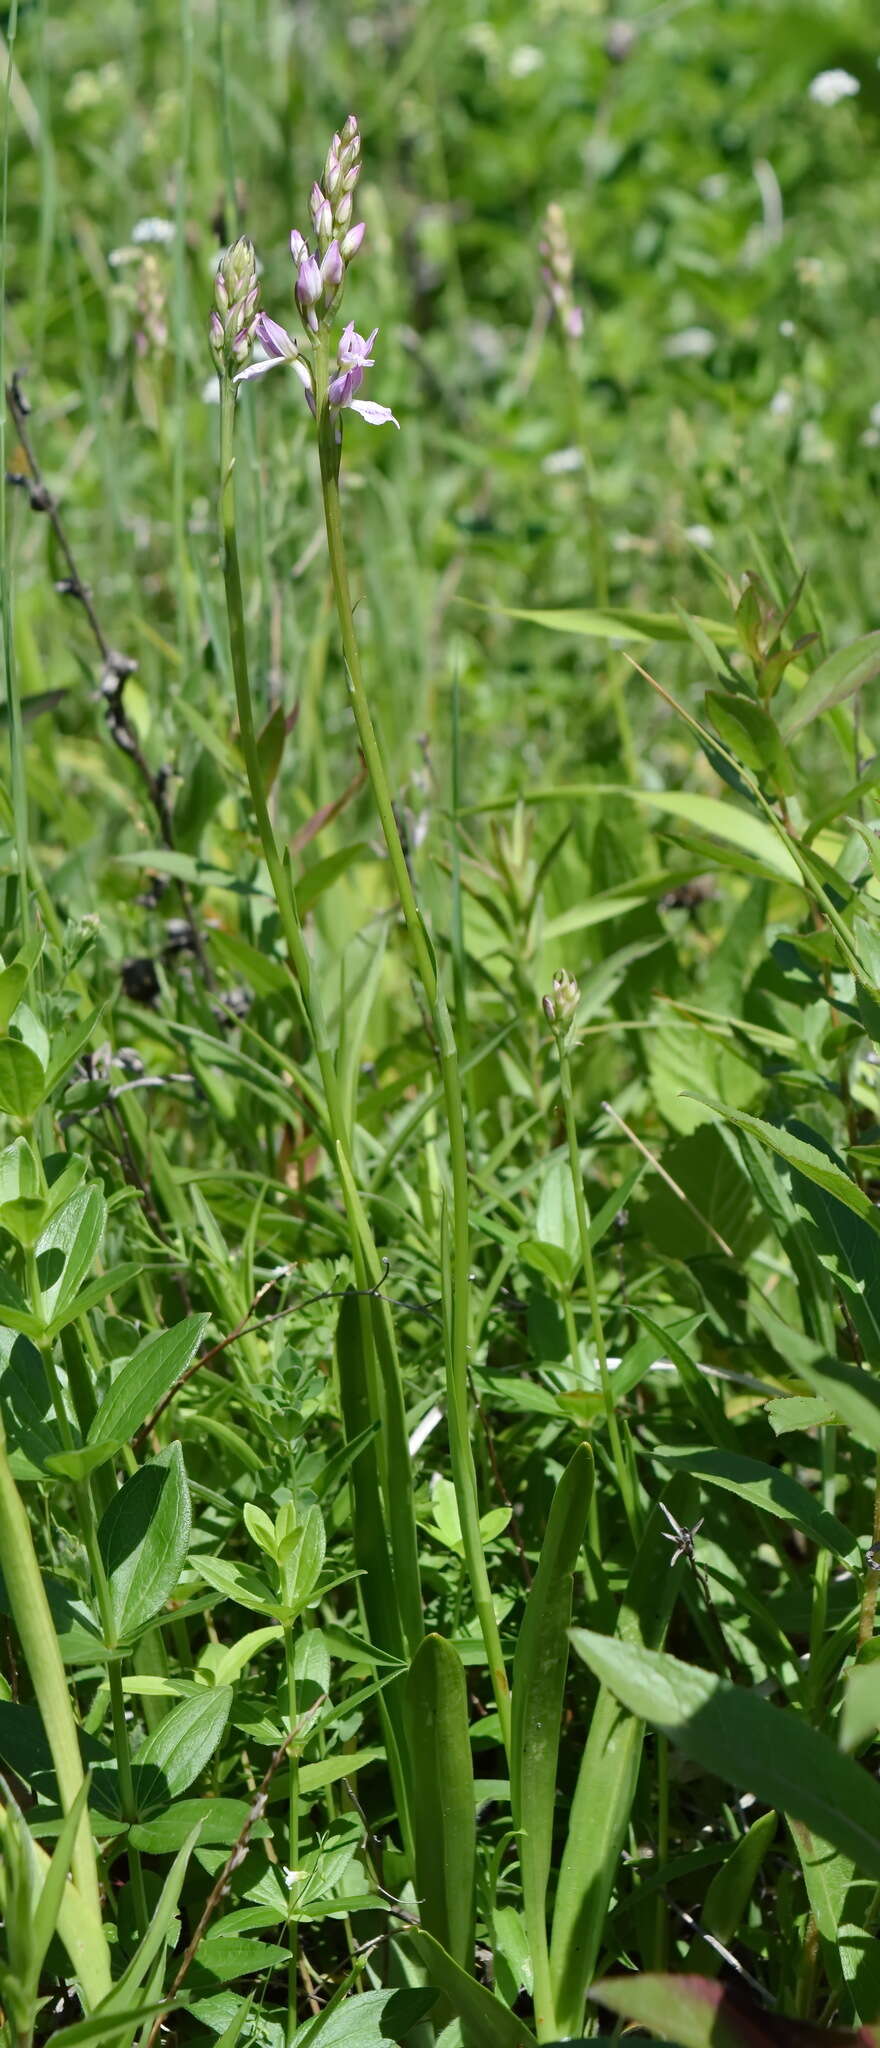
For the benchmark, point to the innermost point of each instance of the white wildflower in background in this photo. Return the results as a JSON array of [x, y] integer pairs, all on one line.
[[829, 87], [695, 342], [700, 536], [154, 228]]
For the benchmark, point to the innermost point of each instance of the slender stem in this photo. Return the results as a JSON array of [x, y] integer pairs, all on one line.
[[598, 549], [583, 1223], [13, 703], [292, 1840], [872, 1577], [381, 1358], [822, 1572], [458, 1330], [33, 1621]]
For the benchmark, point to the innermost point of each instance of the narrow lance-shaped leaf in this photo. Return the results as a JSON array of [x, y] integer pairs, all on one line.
[[442, 1796], [608, 1774], [769, 1751], [539, 1670]]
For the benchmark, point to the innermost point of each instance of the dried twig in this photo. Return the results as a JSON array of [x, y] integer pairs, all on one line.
[[236, 1856], [115, 666]]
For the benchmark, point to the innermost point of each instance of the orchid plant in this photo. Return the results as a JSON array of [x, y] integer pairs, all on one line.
[[332, 380]]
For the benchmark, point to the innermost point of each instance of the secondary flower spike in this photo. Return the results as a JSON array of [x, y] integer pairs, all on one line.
[[233, 319], [558, 271]]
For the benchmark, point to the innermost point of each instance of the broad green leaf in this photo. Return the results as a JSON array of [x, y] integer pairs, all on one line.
[[144, 1537], [22, 1078], [142, 1381], [836, 678], [369, 2020], [798, 1411], [773, 1491], [65, 1250], [179, 1748], [443, 1796], [683, 1059], [219, 1821], [734, 1733]]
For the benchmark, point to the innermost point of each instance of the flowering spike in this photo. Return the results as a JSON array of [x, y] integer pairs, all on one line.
[[558, 272], [236, 294]]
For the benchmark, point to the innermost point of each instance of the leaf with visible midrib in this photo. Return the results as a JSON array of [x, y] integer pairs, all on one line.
[[770, 1751]]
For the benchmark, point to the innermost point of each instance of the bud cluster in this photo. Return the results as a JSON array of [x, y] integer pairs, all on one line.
[[557, 271], [559, 1007], [236, 292], [320, 272]]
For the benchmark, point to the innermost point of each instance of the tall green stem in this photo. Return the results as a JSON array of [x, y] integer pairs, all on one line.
[[621, 1467], [381, 1358], [85, 1513], [458, 1333], [293, 1838], [33, 1621]]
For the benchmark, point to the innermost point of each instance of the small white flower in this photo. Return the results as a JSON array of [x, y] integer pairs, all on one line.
[[700, 536], [562, 461], [698, 342], [828, 87], [292, 1877], [787, 329], [153, 228], [781, 404], [524, 60]]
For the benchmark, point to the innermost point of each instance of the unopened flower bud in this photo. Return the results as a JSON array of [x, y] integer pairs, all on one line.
[[333, 266], [333, 171], [560, 1006], [308, 283], [351, 177], [298, 246], [350, 132], [343, 211], [351, 242]]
